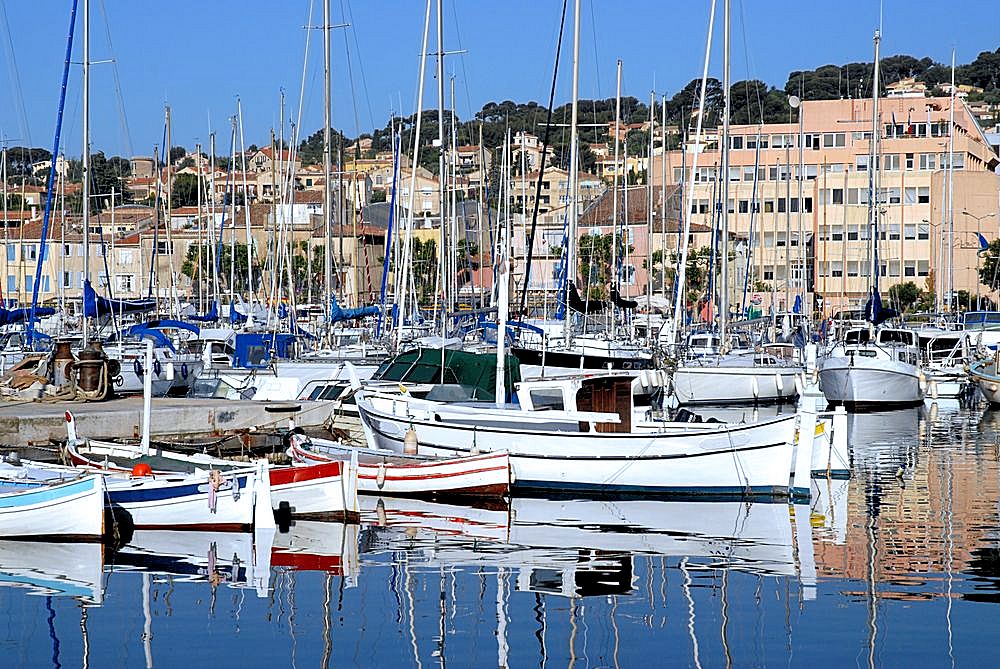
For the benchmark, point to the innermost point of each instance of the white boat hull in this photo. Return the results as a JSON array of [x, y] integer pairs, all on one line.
[[710, 384], [712, 459], [74, 509], [486, 475], [173, 502], [856, 380]]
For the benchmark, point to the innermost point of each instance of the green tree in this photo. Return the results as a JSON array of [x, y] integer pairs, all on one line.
[[904, 295], [176, 153], [185, 191]]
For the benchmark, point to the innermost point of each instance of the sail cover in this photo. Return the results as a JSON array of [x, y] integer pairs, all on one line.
[[94, 305]]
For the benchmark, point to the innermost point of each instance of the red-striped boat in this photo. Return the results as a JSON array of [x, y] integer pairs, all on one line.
[[380, 473]]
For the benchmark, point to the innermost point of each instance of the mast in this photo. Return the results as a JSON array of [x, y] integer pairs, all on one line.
[[649, 219], [327, 170], [724, 246], [170, 237], [444, 254], [86, 159], [573, 158], [951, 189], [614, 199], [873, 170]]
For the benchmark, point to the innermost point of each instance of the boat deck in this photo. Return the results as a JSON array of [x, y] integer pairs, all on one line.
[[31, 423]]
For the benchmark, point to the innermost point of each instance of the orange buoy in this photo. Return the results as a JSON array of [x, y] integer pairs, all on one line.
[[142, 469]]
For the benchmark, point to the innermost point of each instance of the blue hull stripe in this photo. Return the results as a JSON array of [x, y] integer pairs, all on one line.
[[691, 491], [47, 494], [160, 493]]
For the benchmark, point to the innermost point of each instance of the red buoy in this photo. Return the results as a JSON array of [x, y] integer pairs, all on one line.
[[142, 469]]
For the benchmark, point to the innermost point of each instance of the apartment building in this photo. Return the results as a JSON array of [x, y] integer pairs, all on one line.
[[807, 229]]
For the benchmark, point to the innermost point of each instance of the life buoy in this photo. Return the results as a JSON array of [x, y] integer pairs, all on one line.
[[157, 368], [184, 370], [137, 367]]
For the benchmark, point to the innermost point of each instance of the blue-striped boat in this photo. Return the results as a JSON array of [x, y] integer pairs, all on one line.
[[71, 509]]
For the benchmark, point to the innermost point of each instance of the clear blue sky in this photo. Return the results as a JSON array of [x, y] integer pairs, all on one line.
[[199, 55]]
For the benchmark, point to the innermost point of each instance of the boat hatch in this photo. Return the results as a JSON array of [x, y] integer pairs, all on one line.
[[607, 395]]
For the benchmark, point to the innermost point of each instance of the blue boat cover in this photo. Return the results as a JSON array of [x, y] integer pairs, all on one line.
[[94, 305]]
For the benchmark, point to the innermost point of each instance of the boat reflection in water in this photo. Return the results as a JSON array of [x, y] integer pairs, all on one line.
[[585, 547], [52, 569], [885, 441]]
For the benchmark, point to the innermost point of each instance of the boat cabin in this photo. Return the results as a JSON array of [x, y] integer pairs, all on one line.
[[886, 343], [703, 343], [609, 394]]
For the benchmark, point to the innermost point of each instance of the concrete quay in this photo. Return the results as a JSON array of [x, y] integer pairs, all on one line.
[[31, 423]]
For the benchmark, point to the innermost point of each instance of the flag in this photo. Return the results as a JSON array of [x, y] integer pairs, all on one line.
[[893, 124], [909, 125], [797, 307], [984, 245]]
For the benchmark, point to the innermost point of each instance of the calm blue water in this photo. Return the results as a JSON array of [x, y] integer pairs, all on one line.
[[898, 567]]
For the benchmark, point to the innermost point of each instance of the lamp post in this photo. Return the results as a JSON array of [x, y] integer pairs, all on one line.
[[978, 219]]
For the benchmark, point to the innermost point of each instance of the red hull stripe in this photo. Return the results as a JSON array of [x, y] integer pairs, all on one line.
[[391, 476], [307, 562], [285, 475]]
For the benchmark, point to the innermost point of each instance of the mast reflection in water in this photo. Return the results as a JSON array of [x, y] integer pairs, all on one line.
[[896, 566]]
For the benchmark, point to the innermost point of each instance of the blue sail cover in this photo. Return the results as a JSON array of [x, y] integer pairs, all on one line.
[[8, 316], [875, 312], [337, 313], [94, 305], [211, 316]]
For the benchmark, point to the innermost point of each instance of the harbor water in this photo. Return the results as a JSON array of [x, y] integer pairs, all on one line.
[[897, 566]]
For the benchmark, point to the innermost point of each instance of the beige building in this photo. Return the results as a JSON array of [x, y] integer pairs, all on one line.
[[830, 258]]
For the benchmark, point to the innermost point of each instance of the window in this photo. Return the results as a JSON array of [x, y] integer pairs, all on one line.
[[11, 252], [923, 231], [744, 206], [958, 158], [923, 267], [890, 161], [734, 173], [162, 247], [909, 231], [67, 279], [11, 283], [68, 250], [748, 173], [124, 256], [927, 161], [811, 141], [836, 268], [910, 268], [29, 252], [909, 161], [768, 206], [837, 233], [628, 274], [780, 239], [547, 398], [125, 282], [736, 142], [837, 196], [861, 163], [731, 204], [852, 233], [769, 275], [894, 231], [29, 283], [834, 140], [852, 268], [923, 195]]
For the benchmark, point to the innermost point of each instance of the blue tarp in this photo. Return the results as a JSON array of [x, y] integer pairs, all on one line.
[[212, 315], [94, 305], [8, 316], [337, 313]]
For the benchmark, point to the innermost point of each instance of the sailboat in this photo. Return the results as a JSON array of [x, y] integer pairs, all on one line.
[[874, 365], [726, 376]]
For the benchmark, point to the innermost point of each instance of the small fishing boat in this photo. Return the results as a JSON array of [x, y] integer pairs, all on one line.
[[595, 438], [67, 509], [324, 490], [984, 375], [398, 474], [232, 501]]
